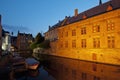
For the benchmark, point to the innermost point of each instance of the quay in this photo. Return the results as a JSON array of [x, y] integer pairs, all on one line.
[[8, 67], [5, 67], [11, 65]]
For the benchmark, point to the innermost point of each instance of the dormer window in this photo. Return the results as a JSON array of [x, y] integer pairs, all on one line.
[[109, 8], [84, 16]]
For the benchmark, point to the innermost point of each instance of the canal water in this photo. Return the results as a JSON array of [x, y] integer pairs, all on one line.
[[39, 74], [58, 68]]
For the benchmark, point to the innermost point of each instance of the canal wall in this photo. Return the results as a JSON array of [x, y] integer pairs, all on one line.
[[81, 70], [107, 56]]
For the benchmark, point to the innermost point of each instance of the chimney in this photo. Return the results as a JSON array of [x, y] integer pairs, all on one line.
[[76, 12], [59, 21], [65, 17], [100, 2], [18, 31], [12, 33], [49, 27]]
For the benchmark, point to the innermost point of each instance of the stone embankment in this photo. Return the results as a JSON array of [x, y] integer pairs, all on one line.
[[5, 67]]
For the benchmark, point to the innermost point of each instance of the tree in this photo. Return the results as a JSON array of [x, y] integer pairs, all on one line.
[[39, 38], [45, 44]]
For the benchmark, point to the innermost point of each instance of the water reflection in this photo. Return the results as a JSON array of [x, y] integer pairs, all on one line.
[[39, 74], [69, 69]]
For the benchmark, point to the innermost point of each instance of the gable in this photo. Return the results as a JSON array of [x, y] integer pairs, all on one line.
[[109, 8]]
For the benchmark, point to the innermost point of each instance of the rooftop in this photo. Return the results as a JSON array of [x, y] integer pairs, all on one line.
[[100, 9]]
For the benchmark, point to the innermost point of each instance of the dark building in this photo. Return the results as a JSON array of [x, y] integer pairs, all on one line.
[[23, 41], [13, 43]]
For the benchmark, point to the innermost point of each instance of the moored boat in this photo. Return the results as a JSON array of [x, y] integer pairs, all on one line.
[[19, 64], [32, 63]]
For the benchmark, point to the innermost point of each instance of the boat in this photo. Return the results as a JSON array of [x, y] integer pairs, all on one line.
[[19, 64], [32, 63], [33, 73]]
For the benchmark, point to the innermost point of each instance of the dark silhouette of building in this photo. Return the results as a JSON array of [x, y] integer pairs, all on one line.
[[13, 43], [23, 41]]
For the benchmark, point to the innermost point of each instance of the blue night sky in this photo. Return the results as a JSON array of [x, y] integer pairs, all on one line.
[[33, 16]]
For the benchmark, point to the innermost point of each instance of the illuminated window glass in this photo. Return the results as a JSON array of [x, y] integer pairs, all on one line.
[[73, 43], [96, 28], [74, 32], [111, 41], [96, 42], [83, 30], [110, 25], [83, 43]]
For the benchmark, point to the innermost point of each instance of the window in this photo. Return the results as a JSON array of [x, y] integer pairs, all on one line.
[[61, 44], [83, 30], [110, 25], [94, 56], [94, 67], [96, 78], [74, 32], [66, 44], [61, 34], [109, 8], [74, 74], [83, 43], [96, 28], [96, 42], [73, 43], [84, 76], [66, 70], [66, 34], [111, 41]]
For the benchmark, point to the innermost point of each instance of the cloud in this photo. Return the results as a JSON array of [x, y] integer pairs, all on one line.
[[15, 29]]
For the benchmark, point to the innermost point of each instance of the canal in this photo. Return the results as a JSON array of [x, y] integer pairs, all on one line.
[[58, 68]]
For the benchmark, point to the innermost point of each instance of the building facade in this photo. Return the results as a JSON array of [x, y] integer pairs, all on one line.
[[13, 43], [52, 35], [0, 37], [93, 35], [6, 41], [23, 41]]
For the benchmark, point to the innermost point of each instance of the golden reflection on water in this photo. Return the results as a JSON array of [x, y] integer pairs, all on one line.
[[69, 69]]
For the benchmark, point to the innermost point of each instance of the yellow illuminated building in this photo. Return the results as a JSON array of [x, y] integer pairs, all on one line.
[[93, 35]]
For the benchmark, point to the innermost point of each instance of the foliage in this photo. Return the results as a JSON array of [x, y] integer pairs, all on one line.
[[45, 44], [40, 42], [39, 38], [33, 45]]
